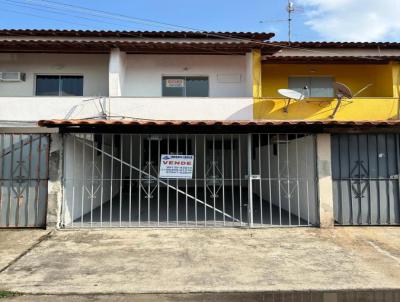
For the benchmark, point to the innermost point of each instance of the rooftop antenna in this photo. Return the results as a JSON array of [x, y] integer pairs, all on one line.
[[290, 10]]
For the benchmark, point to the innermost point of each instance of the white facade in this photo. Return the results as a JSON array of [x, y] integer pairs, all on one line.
[[130, 86], [93, 68], [227, 74]]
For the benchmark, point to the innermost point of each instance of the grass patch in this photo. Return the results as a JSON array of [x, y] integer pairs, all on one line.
[[7, 294]]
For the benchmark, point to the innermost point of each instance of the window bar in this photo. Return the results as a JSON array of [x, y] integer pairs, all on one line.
[[102, 180], [10, 184], [223, 175], [386, 180], [260, 181], [279, 179], [38, 182], [177, 185], [205, 179], [359, 218], [158, 181], [297, 180], [214, 176], [195, 178], [250, 181], [307, 186], [289, 193], [186, 185], [269, 178], [140, 179], [92, 191], [240, 180], [130, 181], [17, 207], [111, 176], [340, 196], [73, 180], [1, 177], [369, 219], [232, 182], [350, 180], [29, 180], [121, 137], [168, 184], [377, 181], [83, 178], [149, 181]]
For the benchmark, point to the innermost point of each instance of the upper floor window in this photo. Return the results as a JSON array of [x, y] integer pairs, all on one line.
[[62, 85], [313, 87], [185, 86]]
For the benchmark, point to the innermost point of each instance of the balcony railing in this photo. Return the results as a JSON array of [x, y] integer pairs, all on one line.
[[359, 108], [160, 108]]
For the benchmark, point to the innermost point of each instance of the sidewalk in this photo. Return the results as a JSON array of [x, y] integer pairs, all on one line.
[[134, 261]]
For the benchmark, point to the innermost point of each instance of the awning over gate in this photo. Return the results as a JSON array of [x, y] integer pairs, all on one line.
[[222, 125]]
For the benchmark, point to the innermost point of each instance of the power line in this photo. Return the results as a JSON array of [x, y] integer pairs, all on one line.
[[97, 13]]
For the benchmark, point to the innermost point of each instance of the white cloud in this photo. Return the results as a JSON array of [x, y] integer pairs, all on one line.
[[354, 20]]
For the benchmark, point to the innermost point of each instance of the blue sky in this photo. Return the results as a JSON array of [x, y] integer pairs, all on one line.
[[351, 20]]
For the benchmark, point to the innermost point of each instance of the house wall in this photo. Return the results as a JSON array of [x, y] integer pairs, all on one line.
[[378, 102], [93, 67], [143, 73]]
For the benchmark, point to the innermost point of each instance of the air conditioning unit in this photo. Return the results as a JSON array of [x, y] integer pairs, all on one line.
[[11, 76]]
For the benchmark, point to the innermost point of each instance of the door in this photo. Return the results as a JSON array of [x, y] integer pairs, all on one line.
[[365, 171], [23, 180]]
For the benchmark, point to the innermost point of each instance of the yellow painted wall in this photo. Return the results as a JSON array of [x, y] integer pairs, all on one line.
[[378, 102]]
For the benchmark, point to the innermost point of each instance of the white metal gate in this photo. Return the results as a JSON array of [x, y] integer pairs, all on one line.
[[112, 180]]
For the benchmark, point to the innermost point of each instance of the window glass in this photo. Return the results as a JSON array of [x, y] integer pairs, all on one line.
[[321, 87], [173, 86], [71, 85], [59, 85], [197, 86], [47, 85], [317, 86], [185, 86]]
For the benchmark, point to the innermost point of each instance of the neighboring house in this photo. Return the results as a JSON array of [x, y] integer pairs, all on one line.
[[185, 129]]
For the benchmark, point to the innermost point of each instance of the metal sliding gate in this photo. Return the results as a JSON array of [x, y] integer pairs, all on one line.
[[23, 180], [256, 180], [365, 170]]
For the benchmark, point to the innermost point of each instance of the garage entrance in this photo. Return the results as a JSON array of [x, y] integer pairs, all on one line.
[[256, 180], [365, 170]]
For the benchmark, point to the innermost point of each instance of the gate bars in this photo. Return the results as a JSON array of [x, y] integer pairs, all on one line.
[[23, 179], [111, 180]]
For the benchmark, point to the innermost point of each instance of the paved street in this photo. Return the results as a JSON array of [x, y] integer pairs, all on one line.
[[133, 261]]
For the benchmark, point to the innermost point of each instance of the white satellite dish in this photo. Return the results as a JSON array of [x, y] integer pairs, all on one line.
[[290, 95]]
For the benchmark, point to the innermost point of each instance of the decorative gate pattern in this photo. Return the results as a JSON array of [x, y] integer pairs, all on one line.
[[365, 169], [256, 180], [23, 180]]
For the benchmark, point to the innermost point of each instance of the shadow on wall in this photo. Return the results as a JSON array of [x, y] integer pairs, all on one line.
[[246, 113], [355, 109]]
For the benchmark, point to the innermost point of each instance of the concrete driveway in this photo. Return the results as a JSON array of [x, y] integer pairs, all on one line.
[[133, 261]]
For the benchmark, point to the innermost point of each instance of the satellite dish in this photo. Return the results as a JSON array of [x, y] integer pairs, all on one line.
[[290, 95], [341, 92]]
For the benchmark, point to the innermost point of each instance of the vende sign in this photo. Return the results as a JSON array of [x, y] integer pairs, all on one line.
[[175, 83], [176, 166]]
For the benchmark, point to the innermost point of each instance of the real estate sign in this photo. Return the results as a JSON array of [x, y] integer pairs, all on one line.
[[176, 166]]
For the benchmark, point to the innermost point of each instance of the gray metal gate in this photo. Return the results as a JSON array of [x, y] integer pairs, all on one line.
[[365, 170], [23, 179], [256, 180]]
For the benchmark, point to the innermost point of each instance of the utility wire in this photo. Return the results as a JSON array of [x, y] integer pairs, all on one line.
[[101, 13], [163, 24], [53, 11]]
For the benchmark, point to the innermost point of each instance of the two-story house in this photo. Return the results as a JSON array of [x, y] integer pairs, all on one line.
[[187, 129]]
